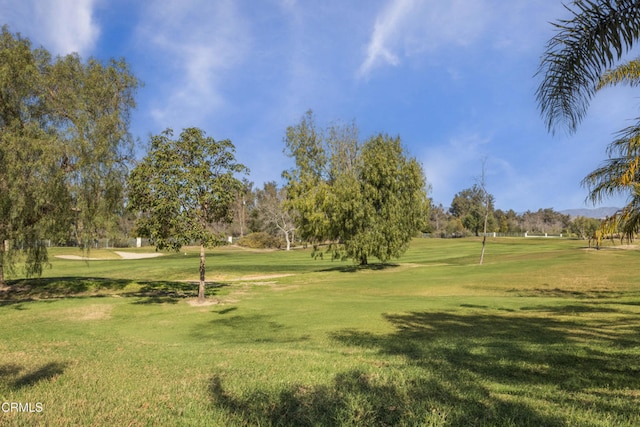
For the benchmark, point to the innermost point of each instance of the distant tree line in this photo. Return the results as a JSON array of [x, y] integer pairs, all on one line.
[[465, 218]]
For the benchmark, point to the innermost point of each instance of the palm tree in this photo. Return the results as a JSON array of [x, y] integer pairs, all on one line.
[[575, 65], [598, 35], [620, 174]]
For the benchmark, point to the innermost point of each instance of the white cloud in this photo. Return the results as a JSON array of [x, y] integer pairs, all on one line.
[[385, 33], [200, 43], [61, 26], [408, 28]]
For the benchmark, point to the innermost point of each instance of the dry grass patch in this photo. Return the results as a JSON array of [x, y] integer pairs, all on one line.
[[89, 312]]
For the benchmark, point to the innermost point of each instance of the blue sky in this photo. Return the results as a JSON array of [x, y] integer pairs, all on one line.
[[453, 78]]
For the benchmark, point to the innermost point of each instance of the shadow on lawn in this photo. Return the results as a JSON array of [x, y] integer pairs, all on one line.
[[247, 329], [160, 292], [467, 369], [356, 268], [15, 377], [146, 292]]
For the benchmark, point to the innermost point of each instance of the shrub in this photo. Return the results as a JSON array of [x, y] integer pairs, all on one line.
[[260, 240]]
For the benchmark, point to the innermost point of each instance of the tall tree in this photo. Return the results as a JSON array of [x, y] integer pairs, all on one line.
[[438, 218], [486, 204], [575, 65], [64, 145], [368, 199], [620, 173], [183, 186], [470, 205], [273, 211], [598, 33], [584, 227], [394, 198]]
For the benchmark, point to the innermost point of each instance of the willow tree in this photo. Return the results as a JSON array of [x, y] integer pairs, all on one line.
[[585, 55], [182, 188], [365, 199], [64, 145]]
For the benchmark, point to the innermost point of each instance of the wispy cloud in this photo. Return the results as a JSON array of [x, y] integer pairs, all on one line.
[[407, 28], [61, 26], [201, 42], [385, 34]]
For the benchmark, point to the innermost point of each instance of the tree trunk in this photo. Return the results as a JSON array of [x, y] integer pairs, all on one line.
[[202, 270], [484, 237], [363, 260], [3, 250], [286, 236]]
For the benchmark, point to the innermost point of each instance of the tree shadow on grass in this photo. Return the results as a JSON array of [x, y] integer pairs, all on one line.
[[361, 398], [147, 292], [356, 268], [525, 353], [168, 292], [568, 293], [465, 368], [24, 290], [16, 377], [247, 329]]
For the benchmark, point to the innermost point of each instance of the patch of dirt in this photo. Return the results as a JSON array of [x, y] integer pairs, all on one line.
[[207, 302], [605, 247], [90, 312], [259, 277]]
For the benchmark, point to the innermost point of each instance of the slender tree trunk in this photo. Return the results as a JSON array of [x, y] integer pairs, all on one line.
[[3, 250], [202, 270], [286, 236], [484, 237], [486, 213]]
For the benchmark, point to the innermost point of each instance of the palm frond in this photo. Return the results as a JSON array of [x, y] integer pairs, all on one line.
[[626, 221], [627, 73], [620, 173], [596, 36]]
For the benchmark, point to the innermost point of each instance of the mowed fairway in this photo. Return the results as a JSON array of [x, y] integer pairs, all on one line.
[[545, 333]]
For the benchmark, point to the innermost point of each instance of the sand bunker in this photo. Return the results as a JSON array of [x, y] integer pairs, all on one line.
[[122, 255], [137, 255], [80, 258]]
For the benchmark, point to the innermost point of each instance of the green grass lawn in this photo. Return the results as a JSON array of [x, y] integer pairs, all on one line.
[[545, 333]]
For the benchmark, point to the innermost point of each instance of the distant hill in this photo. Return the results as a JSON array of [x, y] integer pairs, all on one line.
[[591, 213]]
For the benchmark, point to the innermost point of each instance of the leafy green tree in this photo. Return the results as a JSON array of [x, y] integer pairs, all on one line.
[[366, 199], [183, 186], [438, 218], [64, 146], [470, 206], [584, 227], [507, 222], [455, 227], [576, 64]]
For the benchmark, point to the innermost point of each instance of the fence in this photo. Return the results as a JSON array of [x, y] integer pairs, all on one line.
[[526, 234], [96, 244]]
